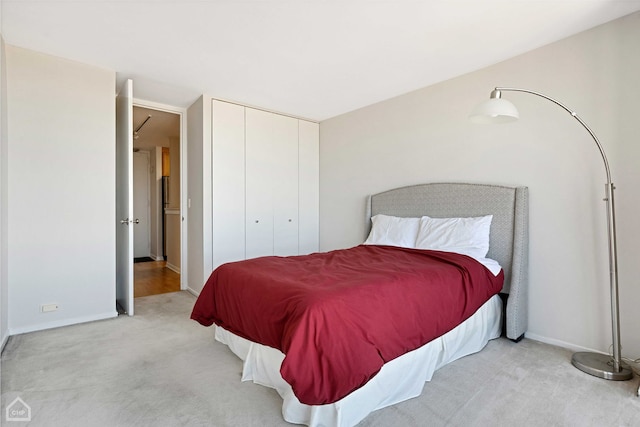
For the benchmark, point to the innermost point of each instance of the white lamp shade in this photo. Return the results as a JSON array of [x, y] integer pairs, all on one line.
[[494, 110]]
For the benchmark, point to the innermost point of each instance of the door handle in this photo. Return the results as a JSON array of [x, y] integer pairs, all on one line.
[[127, 221]]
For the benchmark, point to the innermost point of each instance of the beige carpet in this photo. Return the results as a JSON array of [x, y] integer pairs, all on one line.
[[159, 368]]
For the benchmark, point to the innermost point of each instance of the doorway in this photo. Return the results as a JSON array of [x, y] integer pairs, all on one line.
[[157, 189]]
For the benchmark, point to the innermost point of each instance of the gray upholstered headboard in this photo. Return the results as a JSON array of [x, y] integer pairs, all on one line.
[[508, 241]]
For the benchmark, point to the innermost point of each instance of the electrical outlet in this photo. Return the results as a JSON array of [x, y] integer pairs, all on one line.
[[45, 308]]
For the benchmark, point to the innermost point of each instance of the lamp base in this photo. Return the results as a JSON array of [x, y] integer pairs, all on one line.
[[600, 365]]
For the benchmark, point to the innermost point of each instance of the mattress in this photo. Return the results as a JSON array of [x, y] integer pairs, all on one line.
[[339, 316], [399, 379]]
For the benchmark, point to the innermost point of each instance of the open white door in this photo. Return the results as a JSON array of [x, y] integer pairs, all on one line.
[[124, 197]]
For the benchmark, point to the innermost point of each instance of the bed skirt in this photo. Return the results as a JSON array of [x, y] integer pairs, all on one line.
[[400, 379]]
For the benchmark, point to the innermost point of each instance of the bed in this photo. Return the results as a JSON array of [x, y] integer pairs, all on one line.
[[502, 308]]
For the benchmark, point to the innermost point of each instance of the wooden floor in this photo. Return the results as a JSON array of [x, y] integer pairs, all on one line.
[[153, 277]]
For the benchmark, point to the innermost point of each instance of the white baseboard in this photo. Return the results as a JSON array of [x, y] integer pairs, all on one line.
[[193, 292], [173, 267], [156, 257], [5, 338], [62, 322], [559, 343]]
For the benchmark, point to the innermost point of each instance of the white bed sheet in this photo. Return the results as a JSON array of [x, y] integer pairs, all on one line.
[[400, 379]]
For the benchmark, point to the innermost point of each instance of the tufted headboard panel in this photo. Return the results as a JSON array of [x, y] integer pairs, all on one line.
[[509, 238]]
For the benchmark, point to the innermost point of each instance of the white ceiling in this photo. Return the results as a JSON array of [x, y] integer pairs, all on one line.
[[157, 131], [310, 58]]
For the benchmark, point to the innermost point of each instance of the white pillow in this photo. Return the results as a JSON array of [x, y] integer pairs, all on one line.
[[393, 231], [468, 236]]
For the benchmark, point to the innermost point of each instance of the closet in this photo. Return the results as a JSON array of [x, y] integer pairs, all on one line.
[[265, 183]]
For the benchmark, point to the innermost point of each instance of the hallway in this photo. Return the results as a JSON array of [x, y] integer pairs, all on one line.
[[152, 278]]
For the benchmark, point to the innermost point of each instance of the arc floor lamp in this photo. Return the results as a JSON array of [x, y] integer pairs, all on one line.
[[498, 110]]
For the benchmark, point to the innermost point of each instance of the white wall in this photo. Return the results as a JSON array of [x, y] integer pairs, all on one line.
[[199, 263], [155, 222], [61, 190], [424, 136], [4, 281]]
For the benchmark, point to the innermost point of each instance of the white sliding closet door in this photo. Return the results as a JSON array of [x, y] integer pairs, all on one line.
[[284, 181], [265, 184], [271, 160], [228, 182], [260, 164], [308, 187]]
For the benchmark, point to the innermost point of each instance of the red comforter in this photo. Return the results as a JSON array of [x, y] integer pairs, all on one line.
[[339, 316]]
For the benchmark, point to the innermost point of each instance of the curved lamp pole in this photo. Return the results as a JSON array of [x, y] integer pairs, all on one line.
[[498, 110]]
